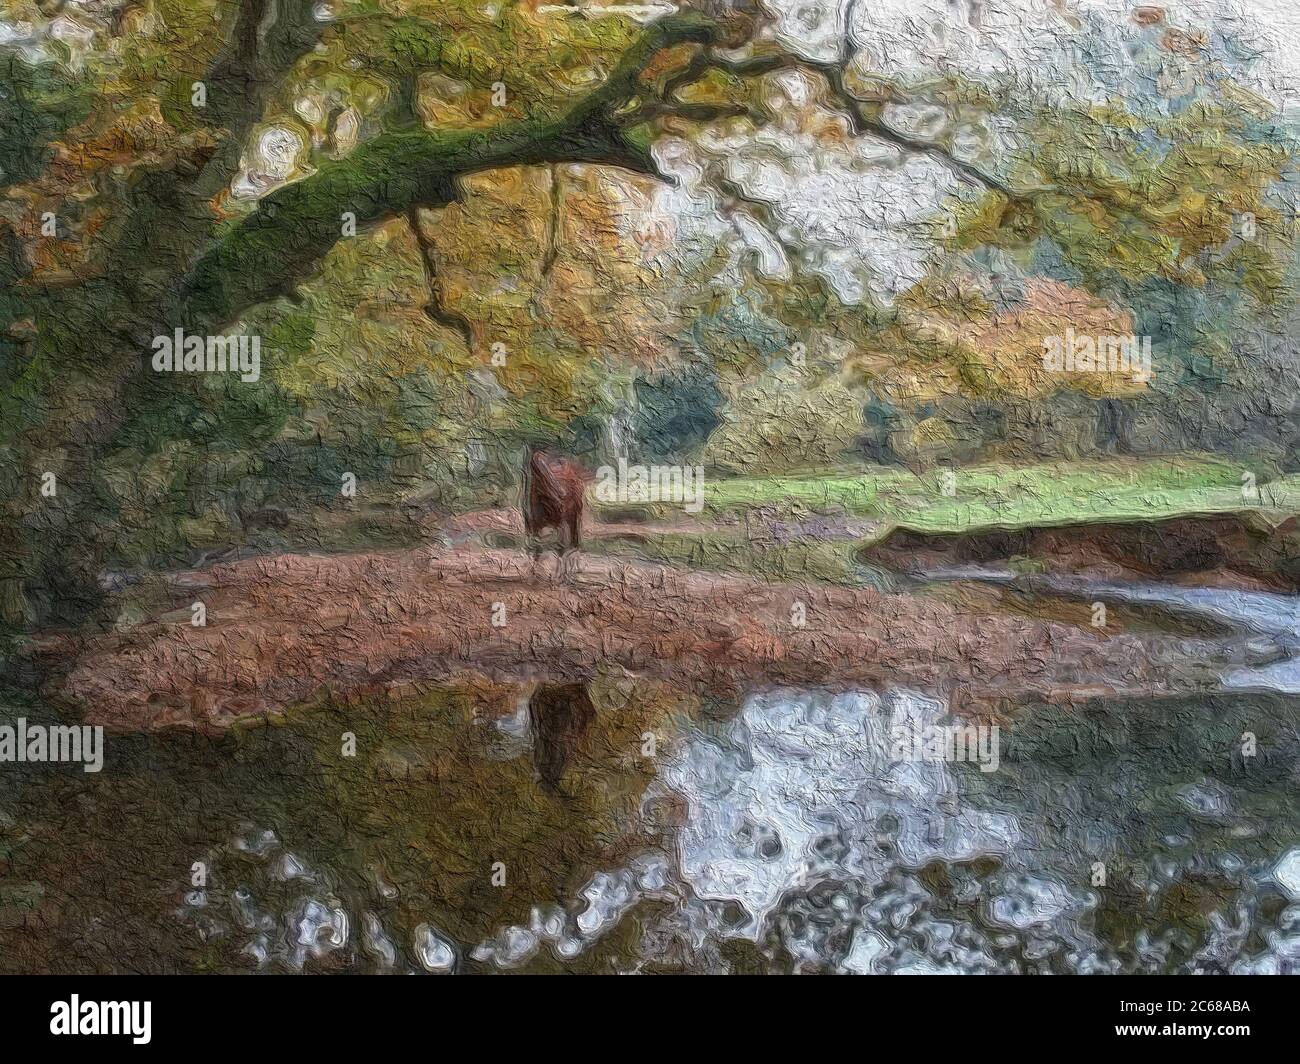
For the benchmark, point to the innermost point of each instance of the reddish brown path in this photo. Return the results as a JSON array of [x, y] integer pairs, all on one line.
[[288, 628]]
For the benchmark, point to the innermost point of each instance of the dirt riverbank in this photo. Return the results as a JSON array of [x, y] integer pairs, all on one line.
[[287, 628]]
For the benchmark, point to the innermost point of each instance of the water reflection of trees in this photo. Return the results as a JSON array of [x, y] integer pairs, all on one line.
[[407, 829], [434, 804]]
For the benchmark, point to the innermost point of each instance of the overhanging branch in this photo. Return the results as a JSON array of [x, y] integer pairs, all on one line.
[[276, 247], [273, 250]]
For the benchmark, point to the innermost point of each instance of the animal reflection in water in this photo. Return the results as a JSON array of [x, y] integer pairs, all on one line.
[[553, 493], [560, 715]]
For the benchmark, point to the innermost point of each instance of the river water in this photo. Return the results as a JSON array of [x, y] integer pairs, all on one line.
[[1262, 613], [627, 828]]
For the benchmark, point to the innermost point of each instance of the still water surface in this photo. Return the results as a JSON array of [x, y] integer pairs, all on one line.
[[626, 828]]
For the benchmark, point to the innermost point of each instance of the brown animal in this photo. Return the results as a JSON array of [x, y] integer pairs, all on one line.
[[553, 492], [560, 715]]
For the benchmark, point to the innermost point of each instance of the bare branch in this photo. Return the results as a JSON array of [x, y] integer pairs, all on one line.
[[736, 201], [691, 112], [556, 193], [834, 73], [847, 42], [434, 309]]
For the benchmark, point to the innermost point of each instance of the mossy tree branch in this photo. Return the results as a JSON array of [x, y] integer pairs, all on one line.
[[277, 247]]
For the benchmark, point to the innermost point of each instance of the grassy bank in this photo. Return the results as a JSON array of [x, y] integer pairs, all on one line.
[[965, 499], [1003, 495]]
